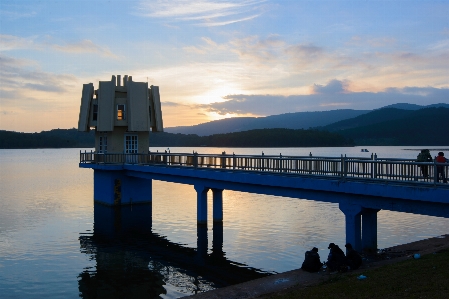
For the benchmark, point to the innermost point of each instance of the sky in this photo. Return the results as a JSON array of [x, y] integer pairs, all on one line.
[[218, 59]]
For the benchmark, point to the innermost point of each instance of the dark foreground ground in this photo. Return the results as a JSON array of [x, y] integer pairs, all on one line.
[[291, 284]]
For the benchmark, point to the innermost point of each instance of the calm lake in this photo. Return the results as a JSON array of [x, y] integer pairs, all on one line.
[[51, 247]]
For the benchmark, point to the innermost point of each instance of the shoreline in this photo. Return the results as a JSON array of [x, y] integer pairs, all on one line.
[[296, 279]]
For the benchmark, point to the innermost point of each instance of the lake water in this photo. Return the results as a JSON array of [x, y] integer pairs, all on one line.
[[51, 247]]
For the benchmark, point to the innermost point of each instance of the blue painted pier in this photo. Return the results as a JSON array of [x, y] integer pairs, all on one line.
[[361, 186]]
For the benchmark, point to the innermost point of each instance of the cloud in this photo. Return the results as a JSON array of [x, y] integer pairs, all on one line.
[[171, 104], [11, 42], [334, 95], [259, 51], [43, 87], [21, 80], [84, 46], [34, 100], [14, 15], [333, 87], [202, 12], [223, 23]]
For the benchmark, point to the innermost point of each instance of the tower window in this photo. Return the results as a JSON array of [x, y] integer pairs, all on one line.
[[120, 112]]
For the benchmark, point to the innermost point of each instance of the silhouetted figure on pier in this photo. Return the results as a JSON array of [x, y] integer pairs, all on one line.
[[312, 262], [353, 258], [440, 168], [424, 156], [336, 260]]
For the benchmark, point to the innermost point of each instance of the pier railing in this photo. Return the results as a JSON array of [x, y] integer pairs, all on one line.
[[374, 168]]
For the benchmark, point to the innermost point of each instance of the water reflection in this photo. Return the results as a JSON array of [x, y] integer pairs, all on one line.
[[134, 262]]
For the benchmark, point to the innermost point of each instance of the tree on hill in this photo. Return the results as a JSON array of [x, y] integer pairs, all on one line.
[[420, 127]]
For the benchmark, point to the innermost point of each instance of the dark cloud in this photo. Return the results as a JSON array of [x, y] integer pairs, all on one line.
[[329, 97], [17, 73], [334, 86]]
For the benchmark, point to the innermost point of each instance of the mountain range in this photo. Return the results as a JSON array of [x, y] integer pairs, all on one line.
[[296, 120], [398, 124]]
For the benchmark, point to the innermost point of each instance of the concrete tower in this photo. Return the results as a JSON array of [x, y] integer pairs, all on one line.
[[122, 115]]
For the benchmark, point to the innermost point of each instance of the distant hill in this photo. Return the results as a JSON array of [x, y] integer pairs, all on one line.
[[371, 118], [420, 127], [407, 106], [386, 126], [254, 138], [61, 138], [297, 120], [57, 138]]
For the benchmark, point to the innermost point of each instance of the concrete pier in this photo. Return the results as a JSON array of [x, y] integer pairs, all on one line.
[[358, 199]]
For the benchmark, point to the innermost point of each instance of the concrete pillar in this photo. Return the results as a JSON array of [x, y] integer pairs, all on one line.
[[201, 203], [113, 188], [353, 224], [217, 212], [369, 229]]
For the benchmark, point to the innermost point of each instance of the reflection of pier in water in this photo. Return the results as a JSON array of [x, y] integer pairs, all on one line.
[[131, 260]]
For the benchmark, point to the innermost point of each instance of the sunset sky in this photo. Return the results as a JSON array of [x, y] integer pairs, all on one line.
[[216, 59]]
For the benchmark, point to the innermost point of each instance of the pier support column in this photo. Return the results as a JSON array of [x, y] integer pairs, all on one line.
[[369, 229], [353, 224], [217, 213], [114, 188], [201, 203]]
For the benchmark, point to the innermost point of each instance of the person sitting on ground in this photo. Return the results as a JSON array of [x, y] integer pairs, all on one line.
[[312, 261], [336, 258], [353, 258]]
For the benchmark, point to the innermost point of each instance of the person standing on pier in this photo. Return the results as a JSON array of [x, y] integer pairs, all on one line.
[[440, 168], [424, 156]]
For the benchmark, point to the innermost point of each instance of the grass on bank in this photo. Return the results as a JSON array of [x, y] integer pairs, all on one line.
[[427, 277]]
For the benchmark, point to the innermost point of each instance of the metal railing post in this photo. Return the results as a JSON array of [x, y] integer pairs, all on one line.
[[435, 171], [233, 160], [310, 163], [280, 162], [223, 160], [375, 166], [195, 159], [345, 166], [263, 162]]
